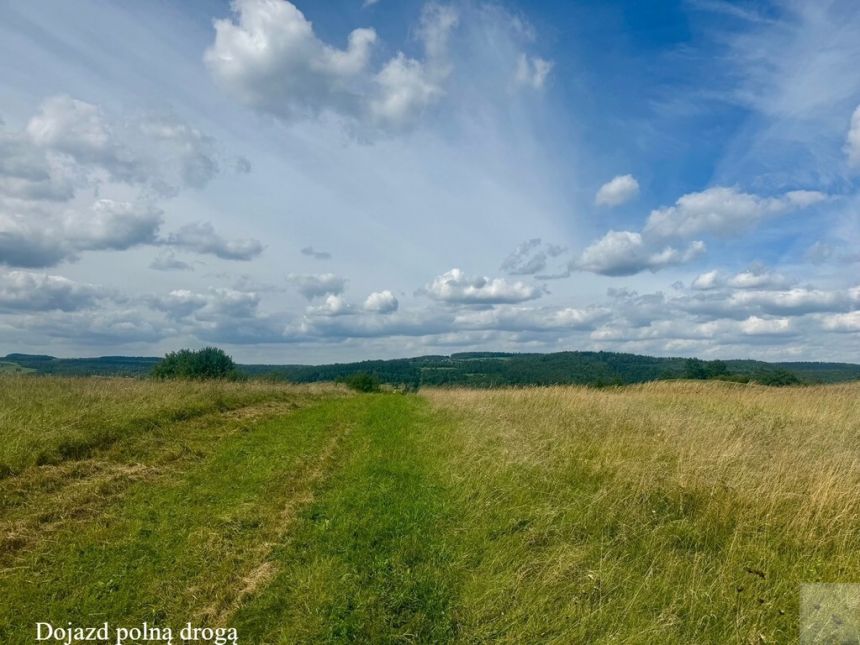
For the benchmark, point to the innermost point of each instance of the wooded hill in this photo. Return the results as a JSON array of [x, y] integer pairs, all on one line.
[[480, 369]]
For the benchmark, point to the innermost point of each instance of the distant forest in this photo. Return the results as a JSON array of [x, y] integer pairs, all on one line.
[[478, 369]]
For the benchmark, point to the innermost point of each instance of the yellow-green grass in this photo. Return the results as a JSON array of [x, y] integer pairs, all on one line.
[[662, 513]]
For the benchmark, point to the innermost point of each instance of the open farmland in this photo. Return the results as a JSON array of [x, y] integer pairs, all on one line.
[[673, 512]]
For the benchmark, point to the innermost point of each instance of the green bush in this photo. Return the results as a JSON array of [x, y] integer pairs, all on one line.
[[206, 363], [777, 378], [362, 382]]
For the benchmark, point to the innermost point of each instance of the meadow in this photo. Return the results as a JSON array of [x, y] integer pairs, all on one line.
[[669, 512]]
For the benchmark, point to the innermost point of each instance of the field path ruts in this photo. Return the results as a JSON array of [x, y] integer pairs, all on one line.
[[45, 499], [309, 476], [373, 557], [189, 543]]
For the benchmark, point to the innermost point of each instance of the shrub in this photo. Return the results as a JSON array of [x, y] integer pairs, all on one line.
[[363, 382], [206, 363], [777, 378]]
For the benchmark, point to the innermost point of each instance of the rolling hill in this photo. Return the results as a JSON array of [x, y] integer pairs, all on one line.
[[472, 369]]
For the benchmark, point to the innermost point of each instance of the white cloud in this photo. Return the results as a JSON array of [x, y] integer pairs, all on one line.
[[852, 142], [723, 211], [167, 261], [706, 281], [755, 326], [382, 302], [332, 306], [620, 253], [113, 225], [66, 179], [455, 287], [27, 172], [317, 255], [617, 191], [758, 279], [796, 301], [201, 237], [531, 257], [847, 322], [532, 71], [519, 319], [74, 127], [156, 151], [180, 303], [272, 60], [34, 235], [315, 286], [25, 291], [216, 305]]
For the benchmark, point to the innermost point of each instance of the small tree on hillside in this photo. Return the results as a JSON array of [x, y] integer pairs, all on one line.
[[363, 382], [206, 363], [778, 378], [695, 369]]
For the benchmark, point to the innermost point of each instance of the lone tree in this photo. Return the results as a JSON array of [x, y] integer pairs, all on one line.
[[206, 363], [362, 382]]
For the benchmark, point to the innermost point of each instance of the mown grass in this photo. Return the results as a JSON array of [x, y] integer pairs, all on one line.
[[662, 513], [370, 560], [177, 538], [46, 420]]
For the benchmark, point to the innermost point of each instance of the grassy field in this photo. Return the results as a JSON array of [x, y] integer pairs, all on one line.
[[673, 512]]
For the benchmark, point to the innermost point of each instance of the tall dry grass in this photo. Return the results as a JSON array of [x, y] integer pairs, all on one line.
[[665, 512]]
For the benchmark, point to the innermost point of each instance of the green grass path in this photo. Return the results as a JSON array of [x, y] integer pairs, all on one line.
[[314, 525], [367, 562]]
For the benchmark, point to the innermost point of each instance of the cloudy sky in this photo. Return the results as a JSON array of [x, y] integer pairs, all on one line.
[[325, 181]]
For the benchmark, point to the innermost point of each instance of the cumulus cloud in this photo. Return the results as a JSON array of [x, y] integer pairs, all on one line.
[[723, 211], [332, 306], [201, 237], [530, 257], [34, 236], [57, 173], [621, 253], [852, 142], [26, 291], [532, 71], [316, 286], [271, 59], [317, 255], [798, 301], [617, 191], [758, 278], [27, 172], [167, 261], [456, 288], [113, 225], [216, 305], [180, 303], [518, 319], [157, 151], [716, 211], [847, 322], [755, 326], [381, 302], [705, 281]]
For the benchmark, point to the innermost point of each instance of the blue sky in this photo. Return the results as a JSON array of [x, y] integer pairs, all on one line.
[[326, 181]]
